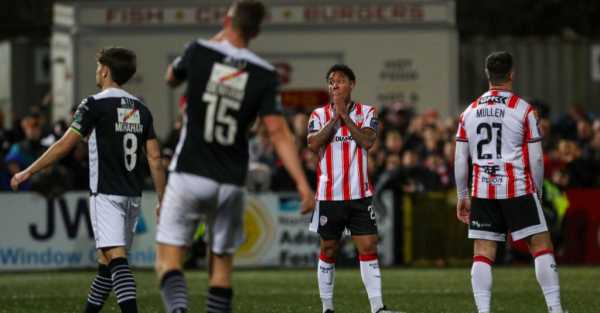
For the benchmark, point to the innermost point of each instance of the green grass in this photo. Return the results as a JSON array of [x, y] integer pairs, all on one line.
[[410, 290]]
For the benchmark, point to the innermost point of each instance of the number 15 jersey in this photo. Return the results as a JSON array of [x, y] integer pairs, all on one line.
[[227, 88], [117, 125], [498, 126]]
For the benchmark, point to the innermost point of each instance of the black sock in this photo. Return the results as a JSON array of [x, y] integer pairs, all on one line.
[[123, 285], [99, 290], [219, 300], [174, 292]]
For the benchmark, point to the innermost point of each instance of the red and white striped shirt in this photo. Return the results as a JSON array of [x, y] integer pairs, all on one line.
[[498, 126], [342, 169]]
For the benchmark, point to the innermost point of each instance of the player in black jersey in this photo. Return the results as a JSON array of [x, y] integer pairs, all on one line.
[[118, 128], [228, 86]]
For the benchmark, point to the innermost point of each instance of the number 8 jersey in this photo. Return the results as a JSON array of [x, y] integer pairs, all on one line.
[[498, 126], [117, 126]]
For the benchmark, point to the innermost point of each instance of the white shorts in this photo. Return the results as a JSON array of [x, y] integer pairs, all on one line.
[[190, 197], [114, 219]]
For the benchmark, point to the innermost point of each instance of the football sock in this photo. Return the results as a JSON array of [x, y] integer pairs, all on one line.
[[371, 277], [481, 281], [99, 290], [219, 300], [326, 279], [124, 285], [173, 291], [547, 276]]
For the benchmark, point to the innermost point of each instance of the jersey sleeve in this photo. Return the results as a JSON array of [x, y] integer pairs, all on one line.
[[314, 122], [85, 117], [532, 129], [181, 63], [461, 133], [371, 120], [270, 103]]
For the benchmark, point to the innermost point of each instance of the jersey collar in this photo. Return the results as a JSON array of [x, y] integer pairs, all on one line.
[[352, 106]]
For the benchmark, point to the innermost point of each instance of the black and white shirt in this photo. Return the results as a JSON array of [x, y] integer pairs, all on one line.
[[118, 126], [227, 88]]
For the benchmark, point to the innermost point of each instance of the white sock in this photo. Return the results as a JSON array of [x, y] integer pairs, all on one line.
[[326, 278], [481, 281], [547, 276], [371, 277]]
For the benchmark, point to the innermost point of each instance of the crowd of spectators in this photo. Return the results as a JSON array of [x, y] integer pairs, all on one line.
[[414, 151]]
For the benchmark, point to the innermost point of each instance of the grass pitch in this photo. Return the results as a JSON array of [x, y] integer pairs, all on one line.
[[409, 290]]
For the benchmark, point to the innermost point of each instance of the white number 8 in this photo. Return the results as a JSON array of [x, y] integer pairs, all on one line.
[[130, 149]]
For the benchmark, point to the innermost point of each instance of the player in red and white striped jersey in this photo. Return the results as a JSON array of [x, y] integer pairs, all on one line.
[[342, 169], [499, 133], [342, 132]]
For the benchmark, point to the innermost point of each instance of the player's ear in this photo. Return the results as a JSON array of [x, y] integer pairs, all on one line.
[[352, 84], [106, 72], [510, 75]]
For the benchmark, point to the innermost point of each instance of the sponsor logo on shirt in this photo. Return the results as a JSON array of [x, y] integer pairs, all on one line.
[[493, 99], [494, 180], [477, 224], [227, 81], [342, 138], [128, 120]]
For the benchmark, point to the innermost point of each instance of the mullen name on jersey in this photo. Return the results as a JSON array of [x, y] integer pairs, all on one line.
[[490, 112]]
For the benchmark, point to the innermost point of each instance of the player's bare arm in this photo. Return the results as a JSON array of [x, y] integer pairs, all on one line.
[[283, 141], [322, 137], [157, 170], [461, 172], [536, 163], [170, 78], [56, 152]]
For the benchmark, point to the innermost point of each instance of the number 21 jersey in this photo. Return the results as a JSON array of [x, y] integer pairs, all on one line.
[[498, 126], [117, 126]]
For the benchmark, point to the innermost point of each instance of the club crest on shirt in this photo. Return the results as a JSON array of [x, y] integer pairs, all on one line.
[[359, 118]]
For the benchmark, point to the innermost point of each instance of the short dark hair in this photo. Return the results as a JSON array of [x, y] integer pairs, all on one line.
[[120, 61], [499, 64], [247, 17], [341, 68]]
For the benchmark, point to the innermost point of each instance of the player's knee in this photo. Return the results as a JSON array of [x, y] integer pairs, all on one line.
[[540, 242], [485, 248], [161, 267], [368, 248], [329, 249], [112, 253]]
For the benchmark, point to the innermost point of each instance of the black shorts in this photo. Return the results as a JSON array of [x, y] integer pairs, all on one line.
[[330, 218], [491, 219]]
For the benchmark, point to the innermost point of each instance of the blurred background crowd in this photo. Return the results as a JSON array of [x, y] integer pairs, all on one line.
[[414, 151]]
